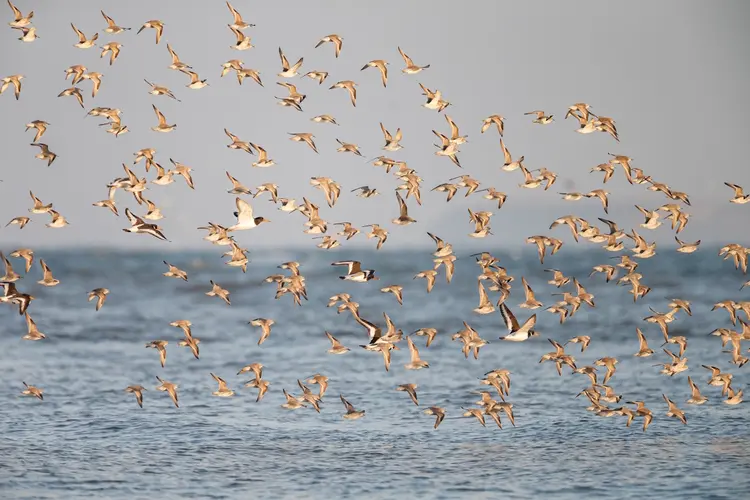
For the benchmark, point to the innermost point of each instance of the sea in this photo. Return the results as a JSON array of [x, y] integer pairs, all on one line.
[[89, 439]]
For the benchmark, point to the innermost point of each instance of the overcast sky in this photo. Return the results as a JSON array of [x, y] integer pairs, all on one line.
[[673, 74]]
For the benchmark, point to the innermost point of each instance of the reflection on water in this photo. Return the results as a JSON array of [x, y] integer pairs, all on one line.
[[89, 439]]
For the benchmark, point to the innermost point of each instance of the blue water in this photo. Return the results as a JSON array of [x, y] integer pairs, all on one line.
[[89, 439]]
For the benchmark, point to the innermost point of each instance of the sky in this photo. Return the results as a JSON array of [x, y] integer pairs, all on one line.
[[673, 74]]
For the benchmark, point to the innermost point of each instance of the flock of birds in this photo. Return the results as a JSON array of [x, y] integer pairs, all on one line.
[[383, 340]]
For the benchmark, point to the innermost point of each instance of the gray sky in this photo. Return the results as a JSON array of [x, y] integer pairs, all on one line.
[[673, 74]]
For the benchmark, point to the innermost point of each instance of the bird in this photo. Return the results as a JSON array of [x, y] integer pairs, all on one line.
[[403, 219], [336, 346], [305, 137], [265, 325], [19, 20], [336, 40], [100, 294], [112, 27], [223, 391], [739, 195], [73, 91], [33, 391], [351, 412], [161, 346], [411, 390], [162, 126], [438, 412], [411, 68], [288, 71], [350, 87], [541, 117], [47, 279], [113, 49], [138, 391], [245, 219], [517, 333], [355, 272], [83, 42], [382, 67], [175, 272], [696, 398], [169, 388], [238, 23], [674, 411], [218, 291], [155, 24], [44, 153]]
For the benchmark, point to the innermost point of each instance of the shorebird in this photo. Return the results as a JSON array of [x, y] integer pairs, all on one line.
[[28, 35], [687, 247], [541, 118], [244, 214], [392, 143], [336, 346], [403, 219], [350, 87], [429, 276], [33, 391], [320, 76], [100, 294], [223, 391], [73, 91], [733, 398], [265, 325], [175, 272], [517, 333], [26, 254], [292, 403], [351, 412], [238, 23], [161, 346], [416, 362], [530, 302], [584, 340], [643, 349], [195, 81], [156, 25], [410, 68], [288, 71], [674, 411], [162, 126], [176, 65], [170, 388], [112, 27], [263, 160], [497, 120], [47, 279], [44, 153], [19, 20], [32, 332], [739, 196], [243, 41], [138, 391], [382, 67], [113, 48], [696, 398], [438, 412], [355, 272], [336, 40], [138, 225], [410, 389], [218, 291], [365, 192], [83, 42], [305, 137], [347, 147]]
